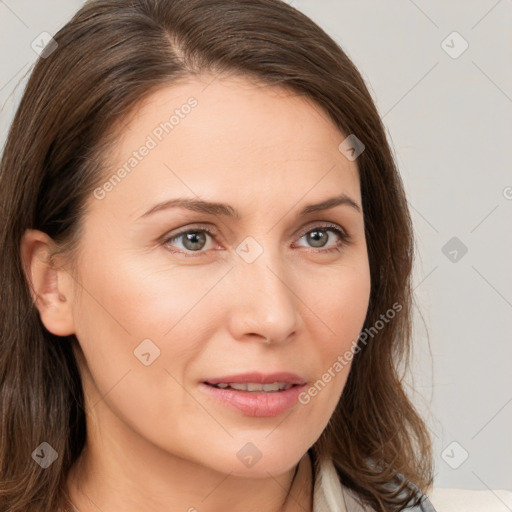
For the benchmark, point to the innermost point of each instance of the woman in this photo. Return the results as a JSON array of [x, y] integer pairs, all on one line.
[[206, 259]]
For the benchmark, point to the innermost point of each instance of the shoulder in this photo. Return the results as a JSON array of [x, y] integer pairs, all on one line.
[[420, 504], [330, 496]]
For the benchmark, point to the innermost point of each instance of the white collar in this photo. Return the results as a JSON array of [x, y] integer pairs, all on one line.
[[327, 492]]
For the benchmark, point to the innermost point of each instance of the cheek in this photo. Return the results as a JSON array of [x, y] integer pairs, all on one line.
[[339, 318], [129, 315], [340, 302], [122, 315], [135, 301]]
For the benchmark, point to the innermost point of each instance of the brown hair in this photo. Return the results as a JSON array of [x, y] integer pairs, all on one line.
[[111, 56]]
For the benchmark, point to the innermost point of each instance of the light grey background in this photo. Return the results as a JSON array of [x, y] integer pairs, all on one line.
[[449, 121]]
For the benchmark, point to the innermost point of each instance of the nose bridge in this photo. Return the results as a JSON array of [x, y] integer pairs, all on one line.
[[266, 304]]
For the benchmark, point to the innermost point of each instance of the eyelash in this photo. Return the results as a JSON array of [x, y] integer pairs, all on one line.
[[344, 236]]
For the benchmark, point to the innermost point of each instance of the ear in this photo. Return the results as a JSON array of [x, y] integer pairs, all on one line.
[[51, 287]]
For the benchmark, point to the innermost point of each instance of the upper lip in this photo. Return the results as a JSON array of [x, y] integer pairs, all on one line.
[[259, 378]]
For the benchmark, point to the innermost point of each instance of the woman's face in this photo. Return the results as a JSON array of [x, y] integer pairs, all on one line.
[[269, 290]]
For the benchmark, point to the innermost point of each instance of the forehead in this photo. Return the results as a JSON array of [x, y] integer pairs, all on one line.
[[228, 138]]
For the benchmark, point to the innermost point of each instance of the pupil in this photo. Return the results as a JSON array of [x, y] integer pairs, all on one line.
[[315, 240], [194, 238]]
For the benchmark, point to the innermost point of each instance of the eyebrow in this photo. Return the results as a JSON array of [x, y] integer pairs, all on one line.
[[222, 209]]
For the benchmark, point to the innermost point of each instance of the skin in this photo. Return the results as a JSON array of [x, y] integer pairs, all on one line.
[[156, 442]]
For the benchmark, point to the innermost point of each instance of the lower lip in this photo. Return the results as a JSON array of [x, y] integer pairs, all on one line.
[[256, 403]]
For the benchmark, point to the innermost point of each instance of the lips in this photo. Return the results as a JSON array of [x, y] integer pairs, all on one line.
[[256, 394], [254, 386], [258, 378]]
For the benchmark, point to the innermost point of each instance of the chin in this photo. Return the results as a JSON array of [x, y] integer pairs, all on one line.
[[258, 459]]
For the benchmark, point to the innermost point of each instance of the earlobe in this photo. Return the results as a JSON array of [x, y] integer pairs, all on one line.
[[50, 286]]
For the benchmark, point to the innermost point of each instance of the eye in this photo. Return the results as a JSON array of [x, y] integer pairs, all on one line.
[[319, 237], [194, 240]]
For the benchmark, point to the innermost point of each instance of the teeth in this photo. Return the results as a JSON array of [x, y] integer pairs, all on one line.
[[251, 386]]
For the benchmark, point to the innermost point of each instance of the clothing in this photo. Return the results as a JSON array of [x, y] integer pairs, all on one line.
[[330, 496]]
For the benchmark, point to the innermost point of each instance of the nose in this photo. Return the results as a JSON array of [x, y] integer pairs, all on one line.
[[264, 306]]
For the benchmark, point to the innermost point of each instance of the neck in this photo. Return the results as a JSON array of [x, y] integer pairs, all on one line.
[[292, 492]]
